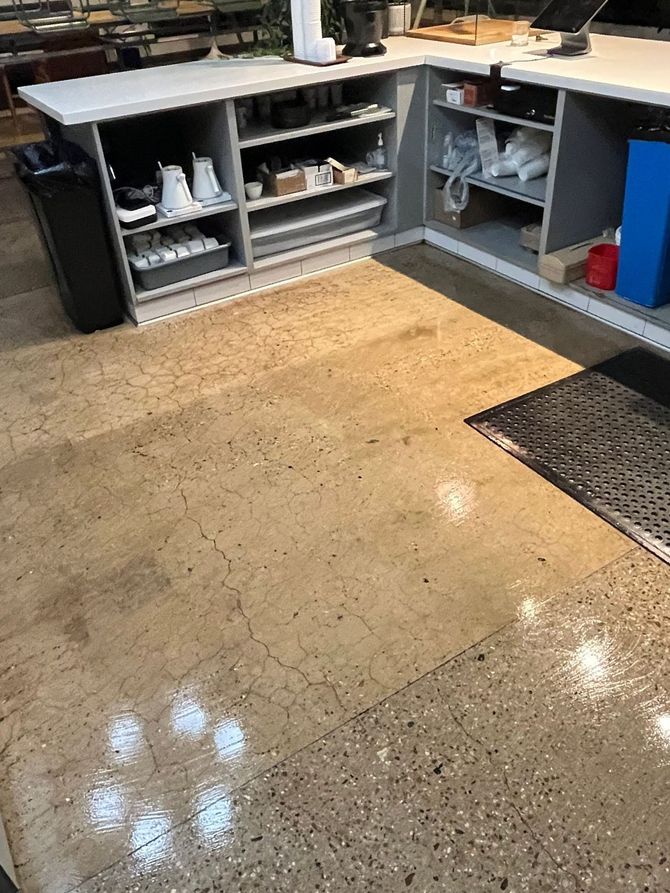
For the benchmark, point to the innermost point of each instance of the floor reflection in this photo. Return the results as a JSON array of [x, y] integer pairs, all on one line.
[[456, 499], [214, 819], [188, 717], [229, 739], [126, 738], [151, 833], [106, 807]]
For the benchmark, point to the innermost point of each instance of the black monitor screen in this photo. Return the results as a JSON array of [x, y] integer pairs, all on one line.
[[649, 13], [568, 15]]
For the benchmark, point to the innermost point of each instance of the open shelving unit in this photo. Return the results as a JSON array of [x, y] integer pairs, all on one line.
[[498, 238], [132, 148], [588, 160], [345, 139]]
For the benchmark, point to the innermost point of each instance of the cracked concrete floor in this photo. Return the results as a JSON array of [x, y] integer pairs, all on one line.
[[225, 535]]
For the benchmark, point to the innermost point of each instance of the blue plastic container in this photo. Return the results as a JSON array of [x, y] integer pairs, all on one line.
[[644, 261]]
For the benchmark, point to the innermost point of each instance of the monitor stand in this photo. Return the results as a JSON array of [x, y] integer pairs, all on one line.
[[578, 44]]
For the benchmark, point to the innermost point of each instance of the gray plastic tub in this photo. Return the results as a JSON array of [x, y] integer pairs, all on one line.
[[314, 220], [173, 271]]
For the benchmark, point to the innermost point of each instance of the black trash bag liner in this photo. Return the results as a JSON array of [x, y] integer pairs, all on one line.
[[52, 167], [66, 193]]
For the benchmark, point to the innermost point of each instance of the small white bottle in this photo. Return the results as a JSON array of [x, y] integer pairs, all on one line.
[[377, 158]]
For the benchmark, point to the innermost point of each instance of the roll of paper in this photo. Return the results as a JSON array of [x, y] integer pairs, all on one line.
[[297, 29], [534, 169], [311, 28]]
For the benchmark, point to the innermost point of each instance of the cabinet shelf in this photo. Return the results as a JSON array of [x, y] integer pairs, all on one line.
[[497, 237], [273, 200], [261, 134], [182, 218], [298, 254], [233, 269], [486, 112], [533, 192]]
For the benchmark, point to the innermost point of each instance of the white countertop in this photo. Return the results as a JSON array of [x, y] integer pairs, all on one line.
[[622, 67]]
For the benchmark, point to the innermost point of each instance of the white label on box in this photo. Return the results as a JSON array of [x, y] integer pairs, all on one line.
[[456, 95]]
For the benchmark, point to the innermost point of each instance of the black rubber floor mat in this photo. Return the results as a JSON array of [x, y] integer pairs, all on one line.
[[602, 436]]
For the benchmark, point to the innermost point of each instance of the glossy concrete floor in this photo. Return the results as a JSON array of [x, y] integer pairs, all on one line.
[[538, 761], [226, 536]]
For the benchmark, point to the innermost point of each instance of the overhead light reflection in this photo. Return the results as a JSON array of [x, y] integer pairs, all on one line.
[[592, 659], [662, 723], [229, 739], [214, 817], [188, 717], [150, 839], [106, 807], [529, 609], [455, 498], [126, 738]]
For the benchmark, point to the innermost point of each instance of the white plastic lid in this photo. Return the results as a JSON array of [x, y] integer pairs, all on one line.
[[321, 210]]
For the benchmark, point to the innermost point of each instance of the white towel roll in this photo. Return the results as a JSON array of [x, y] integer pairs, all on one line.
[[311, 27], [297, 29], [534, 169]]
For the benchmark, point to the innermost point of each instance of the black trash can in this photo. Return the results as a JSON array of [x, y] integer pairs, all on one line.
[[65, 190]]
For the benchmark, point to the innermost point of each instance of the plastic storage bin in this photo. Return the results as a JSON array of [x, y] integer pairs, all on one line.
[[173, 271], [644, 261], [325, 217]]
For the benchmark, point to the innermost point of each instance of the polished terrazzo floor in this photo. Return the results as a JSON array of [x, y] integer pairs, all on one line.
[[538, 761], [226, 536]]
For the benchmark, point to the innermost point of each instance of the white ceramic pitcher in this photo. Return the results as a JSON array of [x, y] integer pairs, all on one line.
[[205, 183], [176, 194]]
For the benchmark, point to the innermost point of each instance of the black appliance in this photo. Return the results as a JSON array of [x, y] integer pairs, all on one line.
[[526, 101], [366, 22], [290, 113]]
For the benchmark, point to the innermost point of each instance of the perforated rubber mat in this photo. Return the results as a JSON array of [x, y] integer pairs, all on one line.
[[603, 436]]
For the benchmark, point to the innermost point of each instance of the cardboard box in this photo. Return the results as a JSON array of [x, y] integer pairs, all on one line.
[[454, 93], [483, 205], [343, 174], [283, 182], [477, 93], [567, 264], [530, 237], [317, 173]]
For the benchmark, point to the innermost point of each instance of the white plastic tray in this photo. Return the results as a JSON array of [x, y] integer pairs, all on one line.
[[324, 217]]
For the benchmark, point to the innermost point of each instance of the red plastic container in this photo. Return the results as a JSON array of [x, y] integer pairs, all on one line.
[[602, 264]]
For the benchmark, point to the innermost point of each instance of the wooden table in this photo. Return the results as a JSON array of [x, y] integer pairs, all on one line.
[[105, 17], [98, 19]]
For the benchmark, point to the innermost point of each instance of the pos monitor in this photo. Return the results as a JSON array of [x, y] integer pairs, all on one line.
[[571, 18]]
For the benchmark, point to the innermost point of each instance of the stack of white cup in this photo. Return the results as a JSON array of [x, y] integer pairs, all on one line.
[[309, 44]]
